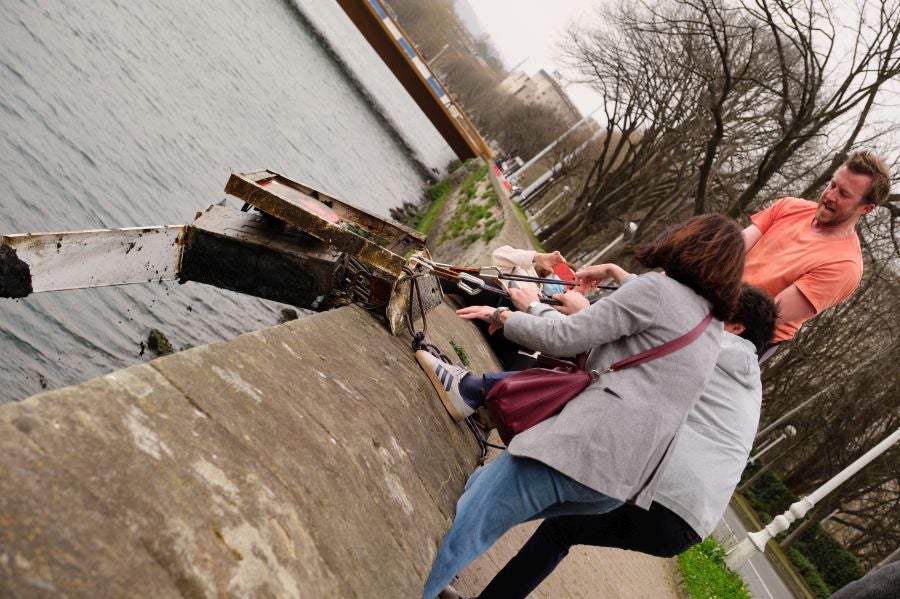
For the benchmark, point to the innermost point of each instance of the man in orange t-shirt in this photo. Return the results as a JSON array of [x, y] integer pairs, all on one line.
[[806, 254]]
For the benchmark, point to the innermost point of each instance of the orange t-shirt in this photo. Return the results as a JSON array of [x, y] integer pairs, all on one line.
[[826, 270]]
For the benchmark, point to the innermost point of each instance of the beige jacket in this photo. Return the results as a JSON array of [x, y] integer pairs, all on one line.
[[512, 261]]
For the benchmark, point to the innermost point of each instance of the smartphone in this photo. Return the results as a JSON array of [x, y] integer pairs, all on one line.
[[563, 271]]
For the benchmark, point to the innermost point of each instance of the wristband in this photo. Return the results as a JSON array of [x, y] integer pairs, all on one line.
[[532, 305], [495, 316]]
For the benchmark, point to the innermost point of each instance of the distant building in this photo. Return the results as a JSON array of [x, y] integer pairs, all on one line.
[[545, 89]]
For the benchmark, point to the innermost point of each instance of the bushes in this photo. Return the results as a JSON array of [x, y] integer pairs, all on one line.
[[809, 574], [474, 217], [437, 191], [819, 558], [770, 495], [836, 565], [423, 214]]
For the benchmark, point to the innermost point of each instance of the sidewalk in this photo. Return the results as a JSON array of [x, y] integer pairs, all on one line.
[[587, 572]]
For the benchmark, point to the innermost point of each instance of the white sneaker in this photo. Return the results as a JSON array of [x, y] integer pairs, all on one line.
[[445, 378]]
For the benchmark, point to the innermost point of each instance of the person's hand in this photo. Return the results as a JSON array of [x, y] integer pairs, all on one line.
[[588, 278], [522, 297], [479, 313], [572, 302], [545, 262]]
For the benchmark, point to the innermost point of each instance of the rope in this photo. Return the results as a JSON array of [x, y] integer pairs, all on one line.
[[482, 441], [418, 337], [419, 343]]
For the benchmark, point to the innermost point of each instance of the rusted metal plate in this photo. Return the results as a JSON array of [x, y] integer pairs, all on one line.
[[258, 255], [429, 290], [34, 262], [391, 231], [374, 240]]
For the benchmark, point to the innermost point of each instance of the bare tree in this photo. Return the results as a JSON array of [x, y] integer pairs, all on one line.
[[713, 105], [818, 86]]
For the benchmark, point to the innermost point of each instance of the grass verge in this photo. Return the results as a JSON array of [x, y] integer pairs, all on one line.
[[438, 193], [523, 218], [705, 575]]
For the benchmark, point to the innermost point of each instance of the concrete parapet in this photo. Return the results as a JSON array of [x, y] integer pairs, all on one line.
[[311, 459]]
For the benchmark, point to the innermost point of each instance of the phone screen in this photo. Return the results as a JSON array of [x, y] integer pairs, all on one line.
[[564, 272]]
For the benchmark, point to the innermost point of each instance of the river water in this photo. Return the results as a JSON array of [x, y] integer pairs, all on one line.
[[117, 114]]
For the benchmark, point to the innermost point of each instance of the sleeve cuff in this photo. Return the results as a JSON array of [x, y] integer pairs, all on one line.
[[541, 309]]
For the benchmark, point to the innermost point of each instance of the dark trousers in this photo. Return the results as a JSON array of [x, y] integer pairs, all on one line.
[[657, 531], [505, 350]]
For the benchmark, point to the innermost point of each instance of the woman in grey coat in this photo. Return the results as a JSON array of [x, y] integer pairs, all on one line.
[[608, 445]]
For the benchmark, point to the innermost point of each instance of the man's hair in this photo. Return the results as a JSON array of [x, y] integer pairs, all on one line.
[[758, 312], [706, 253], [867, 162]]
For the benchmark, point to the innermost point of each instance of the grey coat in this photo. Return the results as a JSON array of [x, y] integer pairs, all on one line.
[[616, 436], [712, 448]]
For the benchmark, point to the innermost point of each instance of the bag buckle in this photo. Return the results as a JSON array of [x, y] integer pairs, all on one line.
[[595, 374]]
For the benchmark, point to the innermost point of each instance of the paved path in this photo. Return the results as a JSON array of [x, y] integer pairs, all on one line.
[[587, 572]]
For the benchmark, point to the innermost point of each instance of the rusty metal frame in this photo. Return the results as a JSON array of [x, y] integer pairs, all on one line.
[[376, 241]]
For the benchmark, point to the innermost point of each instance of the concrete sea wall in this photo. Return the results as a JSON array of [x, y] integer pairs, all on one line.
[[311, 459]]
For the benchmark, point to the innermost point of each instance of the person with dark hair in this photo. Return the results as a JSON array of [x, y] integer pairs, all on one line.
[[706, 464], [612, 442], [807, 254]]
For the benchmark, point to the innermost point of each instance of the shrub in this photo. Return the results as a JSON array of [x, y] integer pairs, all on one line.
[[437, 191], [809, 574], [827, 563], [836, 565], [461, 353]]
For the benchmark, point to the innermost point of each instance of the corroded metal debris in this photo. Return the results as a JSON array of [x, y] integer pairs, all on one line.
[[301, 247]]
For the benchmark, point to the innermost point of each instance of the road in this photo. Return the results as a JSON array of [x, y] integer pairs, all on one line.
[[760, 576]]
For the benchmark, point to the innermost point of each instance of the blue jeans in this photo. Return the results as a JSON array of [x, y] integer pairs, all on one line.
[[508, 491]]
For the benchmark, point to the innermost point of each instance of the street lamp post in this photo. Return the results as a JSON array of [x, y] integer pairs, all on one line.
[[533, 218], [762, 433], [513, 178], [789, 431], [632, 227], [756, 541]]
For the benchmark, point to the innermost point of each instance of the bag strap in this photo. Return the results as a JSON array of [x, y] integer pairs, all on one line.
[[661, 350]]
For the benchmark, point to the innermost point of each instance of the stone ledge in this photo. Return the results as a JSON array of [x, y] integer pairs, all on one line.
[[308, 459]]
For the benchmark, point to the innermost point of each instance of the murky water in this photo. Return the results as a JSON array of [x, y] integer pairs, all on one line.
[[117, 114]]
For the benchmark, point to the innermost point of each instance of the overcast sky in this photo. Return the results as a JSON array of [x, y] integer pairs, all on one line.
[[529, 29]]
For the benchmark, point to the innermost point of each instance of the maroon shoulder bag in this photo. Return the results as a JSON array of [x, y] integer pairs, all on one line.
[[526, 398]]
